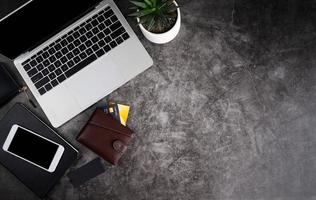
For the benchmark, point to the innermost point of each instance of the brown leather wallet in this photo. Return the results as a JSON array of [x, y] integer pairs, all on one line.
[[105, 136]]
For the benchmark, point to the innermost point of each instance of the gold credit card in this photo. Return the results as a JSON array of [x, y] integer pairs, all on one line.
[[118, 111]]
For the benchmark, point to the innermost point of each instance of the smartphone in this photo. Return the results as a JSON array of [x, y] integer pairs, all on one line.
[[33, 148]]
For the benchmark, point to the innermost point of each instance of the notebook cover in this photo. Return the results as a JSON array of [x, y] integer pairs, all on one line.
[[36, 179]]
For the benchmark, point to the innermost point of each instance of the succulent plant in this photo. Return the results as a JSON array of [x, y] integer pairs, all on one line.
[[155, 15]]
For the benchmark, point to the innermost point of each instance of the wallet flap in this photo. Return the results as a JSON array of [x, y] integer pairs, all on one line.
[[107, 121]]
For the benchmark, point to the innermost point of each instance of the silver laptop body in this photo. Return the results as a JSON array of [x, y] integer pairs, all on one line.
[[82, 88]]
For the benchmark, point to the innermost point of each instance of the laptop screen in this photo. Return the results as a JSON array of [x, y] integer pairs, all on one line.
[[36, 22]]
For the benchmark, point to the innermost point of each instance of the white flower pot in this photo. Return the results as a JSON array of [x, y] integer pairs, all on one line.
[[161, 38]]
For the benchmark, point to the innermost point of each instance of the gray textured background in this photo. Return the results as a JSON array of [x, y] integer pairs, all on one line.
[[227, 112]]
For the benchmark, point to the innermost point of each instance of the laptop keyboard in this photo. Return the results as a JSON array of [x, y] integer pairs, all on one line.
[[75, 50]]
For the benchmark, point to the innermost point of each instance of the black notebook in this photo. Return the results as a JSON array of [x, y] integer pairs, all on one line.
[[35, 178]]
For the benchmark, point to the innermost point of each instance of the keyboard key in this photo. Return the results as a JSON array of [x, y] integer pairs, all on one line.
[[76, 35], [89, 34], [100, 19], [46, 63], [83, 55], [82, 30], [39, 59], [58, 72], [117, 33], [125, 36], [107, 31], [70, 39], [33, 63], [95, 30], [64, 59], [64, 42], [32, 72], [24, 63], [52, 59], [40, 67], [58, 54], [100, 53], [51, 68], [54, 83], [94, 22], [58, 47], [52, 76], [45, 72], [88, 43], [70, 55], [76, 59], [83, 38], [57, 64], [51, 51], [94, 39], [37, 77], [82, 47], [42, 91], [101, 35], [101, 26], [70, 63], [27, 67], [108, 22], [89, 51], [70, 47], [45, 55], [113, 44], [76, 51], [81, 65], [119, 40], [64, 50], [115, 26], [107, 48], [42, 82], [101, 43], [77, 42], [113, 18], [48, 87], [108, 39], [108, 14], [64, 68], [88, 26], [61, 78], [95, 47]]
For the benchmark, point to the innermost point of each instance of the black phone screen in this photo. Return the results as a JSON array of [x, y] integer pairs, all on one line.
[[33, 148]]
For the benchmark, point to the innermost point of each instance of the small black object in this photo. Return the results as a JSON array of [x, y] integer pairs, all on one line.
[[8, 86], [86, 172]]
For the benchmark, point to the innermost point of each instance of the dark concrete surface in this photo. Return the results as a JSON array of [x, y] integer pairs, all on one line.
[[227, 112]]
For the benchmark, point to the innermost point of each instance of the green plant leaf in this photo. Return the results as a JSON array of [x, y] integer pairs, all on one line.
[[151, 23], [148, 2], [154, 3], [139, 4], [144, 12]]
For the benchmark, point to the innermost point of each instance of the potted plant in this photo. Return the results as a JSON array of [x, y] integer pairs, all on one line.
[[159, 20]]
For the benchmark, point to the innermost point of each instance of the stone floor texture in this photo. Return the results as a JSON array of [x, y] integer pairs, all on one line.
[[227, 111]]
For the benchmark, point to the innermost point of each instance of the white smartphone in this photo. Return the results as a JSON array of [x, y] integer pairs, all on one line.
[[33, 148]]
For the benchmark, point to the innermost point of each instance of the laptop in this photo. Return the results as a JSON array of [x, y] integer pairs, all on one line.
[[71, 53]]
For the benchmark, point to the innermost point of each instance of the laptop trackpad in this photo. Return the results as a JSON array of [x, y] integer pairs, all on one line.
[[95, 81]]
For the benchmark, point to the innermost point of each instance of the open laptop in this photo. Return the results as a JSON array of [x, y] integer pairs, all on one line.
[[71, 53]]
